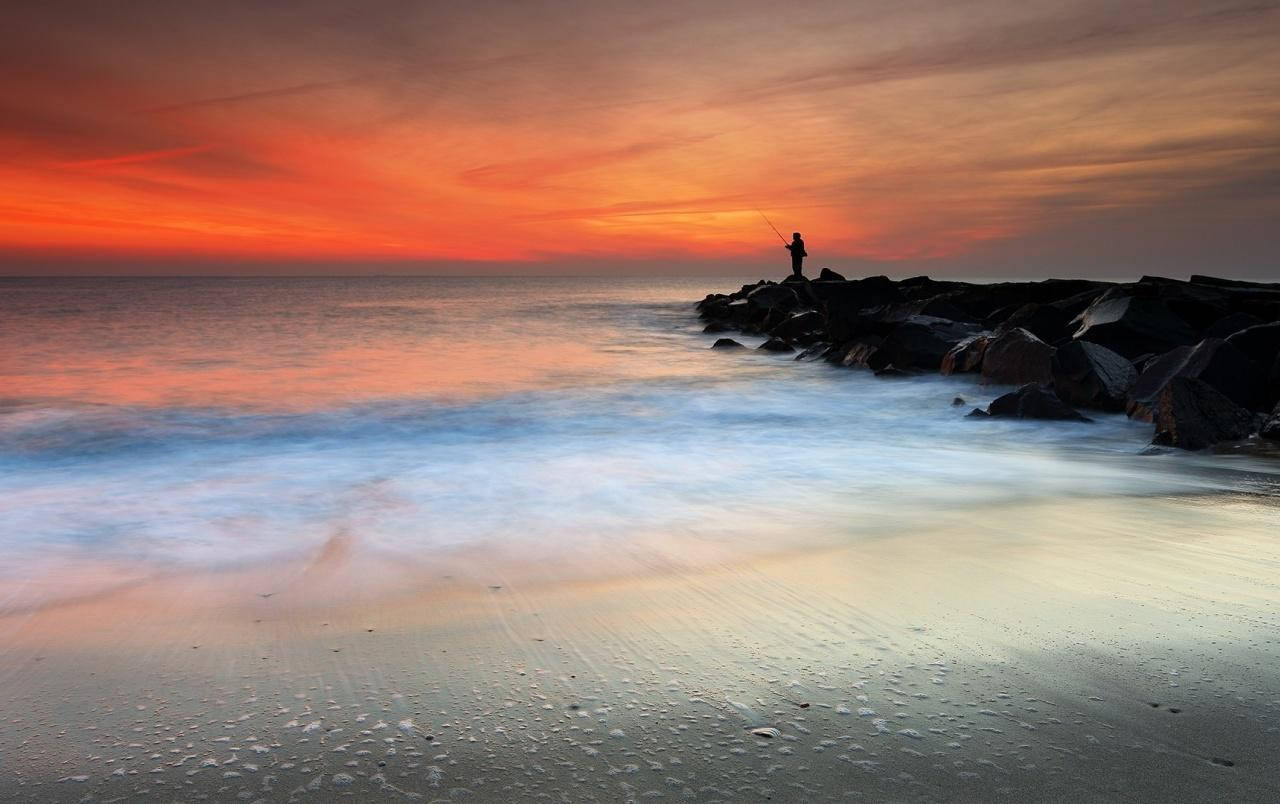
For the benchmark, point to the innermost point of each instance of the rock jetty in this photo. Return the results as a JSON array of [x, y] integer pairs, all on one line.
[[1200, 359]]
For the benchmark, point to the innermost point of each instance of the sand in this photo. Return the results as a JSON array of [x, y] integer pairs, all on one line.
[[1094, 649]]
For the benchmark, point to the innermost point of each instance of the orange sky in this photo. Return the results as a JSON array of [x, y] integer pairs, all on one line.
[[1089, 136]]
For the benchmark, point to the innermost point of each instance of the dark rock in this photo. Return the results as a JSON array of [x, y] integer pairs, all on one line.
[[774, 297], [1198, 305], [1016, 356], [1200, 279], [1271, 427], [1132, 325], [966, 355], [958, 401], [1230, 324], [922, 341], [1260, 344], [977, 413], [1073, 306], [981, 301], [798, 324], [727, 343], [844, 301], [714, 309], [1092, 376], [827, 274], [1213, 361], [814, 352], [1033, 401], [717, 326], [738, 310], [776, 345], [863, 351], [1190, 414], [1046, 322], [890, 371]]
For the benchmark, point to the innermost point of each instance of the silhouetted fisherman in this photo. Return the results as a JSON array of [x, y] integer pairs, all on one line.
[[796, 247]]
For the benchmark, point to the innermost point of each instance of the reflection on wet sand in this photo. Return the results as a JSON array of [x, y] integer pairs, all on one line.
[[1099, 649]]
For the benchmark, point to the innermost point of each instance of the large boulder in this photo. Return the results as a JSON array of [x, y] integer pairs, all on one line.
[[1271, 427], [1092, 376], [1015, 357], [1213, 361], [966, 355], [826, 274], [1190, 414], [1132, 325], [922, 341], [982, 301], [1198, 305], [1260, 343], [844, 302], [726, 343], [773, 297], [863, 350], [776, 345], [1232, 323], [798, 324], [1033, 401], [1045, 321]]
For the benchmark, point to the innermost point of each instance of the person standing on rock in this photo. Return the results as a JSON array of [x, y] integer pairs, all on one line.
[[796, 247]]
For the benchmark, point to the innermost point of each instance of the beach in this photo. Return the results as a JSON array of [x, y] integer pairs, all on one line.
[[576, 555]]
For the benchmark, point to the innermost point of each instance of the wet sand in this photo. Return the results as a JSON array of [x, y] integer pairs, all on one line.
[[1095, 649]]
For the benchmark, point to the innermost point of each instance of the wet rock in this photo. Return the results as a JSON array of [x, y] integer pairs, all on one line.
[[776, 345], [1197, 304], [1132, 325], [814, 352], [1260, 343], [798, 324], [1271, 427], [890, 371], [922, 341], [717, 326], [1046, 322], [1016, 356], [1190, 414], [1033, 401], [845, 300], [863, 351], [1092, 376], [1213, 361], [966, 355], [1232, 323], [773, 297], [727, 343], [957, 402]]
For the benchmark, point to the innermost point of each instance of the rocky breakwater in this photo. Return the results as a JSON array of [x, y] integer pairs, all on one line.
[[1199, 359]]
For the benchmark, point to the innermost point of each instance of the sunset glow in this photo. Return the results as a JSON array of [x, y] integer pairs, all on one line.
[[1096, 135]]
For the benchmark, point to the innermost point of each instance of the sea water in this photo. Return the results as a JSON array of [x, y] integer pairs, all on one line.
[[199, 423]]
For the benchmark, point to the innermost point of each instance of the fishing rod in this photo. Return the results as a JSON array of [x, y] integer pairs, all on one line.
[[771, 226]]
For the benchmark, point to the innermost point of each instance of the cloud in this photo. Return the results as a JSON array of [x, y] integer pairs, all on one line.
[[533, 172], [1037, 41], [134, 158]]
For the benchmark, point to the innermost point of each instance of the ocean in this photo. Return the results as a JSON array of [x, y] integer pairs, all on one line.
[[513, 539], [152, 424]]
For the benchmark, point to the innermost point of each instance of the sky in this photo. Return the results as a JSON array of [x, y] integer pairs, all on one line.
[[968, 138]]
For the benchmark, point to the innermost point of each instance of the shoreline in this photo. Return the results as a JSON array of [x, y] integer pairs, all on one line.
[[1199, 359], [1010, 656]]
